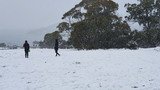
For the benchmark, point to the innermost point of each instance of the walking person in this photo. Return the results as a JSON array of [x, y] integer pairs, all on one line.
[[56, 47], [26, 49]]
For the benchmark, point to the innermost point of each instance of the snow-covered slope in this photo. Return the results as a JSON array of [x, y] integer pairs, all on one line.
[[80, 70]]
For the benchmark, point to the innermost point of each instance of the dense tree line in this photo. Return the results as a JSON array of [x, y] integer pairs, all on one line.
[[49, 40], [94, 24], [2, 45], [146, 13]]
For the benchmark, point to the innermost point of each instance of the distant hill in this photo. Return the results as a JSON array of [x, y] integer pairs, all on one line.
[[38, 34], [18, 37]]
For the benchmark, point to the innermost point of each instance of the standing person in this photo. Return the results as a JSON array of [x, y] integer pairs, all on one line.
[[26, 49], [56, 47]]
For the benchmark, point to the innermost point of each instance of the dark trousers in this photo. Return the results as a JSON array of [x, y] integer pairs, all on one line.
[[26, 54], [56, 51]]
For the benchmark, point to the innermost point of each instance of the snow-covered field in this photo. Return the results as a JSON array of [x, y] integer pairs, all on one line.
[[80, 70]]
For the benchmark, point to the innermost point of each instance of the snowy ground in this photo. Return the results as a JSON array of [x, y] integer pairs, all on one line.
[[80, 70]]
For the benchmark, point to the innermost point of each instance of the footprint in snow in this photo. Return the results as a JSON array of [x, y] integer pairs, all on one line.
[[151, 80], [77, 62], [4, 66], [134, 87], [29, 82], [143, 85]]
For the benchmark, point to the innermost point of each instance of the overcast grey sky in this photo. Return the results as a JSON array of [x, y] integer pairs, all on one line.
[[29, 14], [18, 17]]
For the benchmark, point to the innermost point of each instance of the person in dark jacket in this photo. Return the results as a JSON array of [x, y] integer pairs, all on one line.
[[56, 47], [26, 49]]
